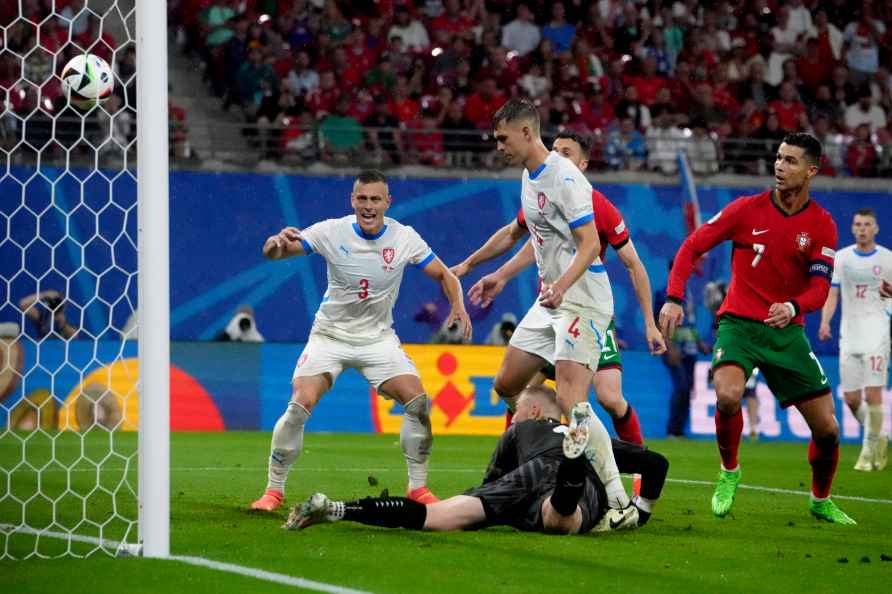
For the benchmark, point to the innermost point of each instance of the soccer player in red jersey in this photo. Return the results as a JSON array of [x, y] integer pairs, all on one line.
[[784, 245], [612, 230]]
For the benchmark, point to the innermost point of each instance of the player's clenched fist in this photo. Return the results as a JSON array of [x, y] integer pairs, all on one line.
[[283, 244], [671, 317]]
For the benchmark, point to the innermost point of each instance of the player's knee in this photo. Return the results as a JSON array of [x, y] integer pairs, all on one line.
[[826, 432], [728, 395], [419, 408], [853, 399], [296, 414]]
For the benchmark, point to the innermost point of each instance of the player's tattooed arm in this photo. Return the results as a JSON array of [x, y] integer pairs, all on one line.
[[451, 286], [284, 244]]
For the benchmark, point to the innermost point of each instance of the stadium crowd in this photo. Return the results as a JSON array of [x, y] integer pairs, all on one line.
[[726, 78]]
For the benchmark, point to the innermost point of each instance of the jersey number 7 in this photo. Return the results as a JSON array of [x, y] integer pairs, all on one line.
[[759, 248]]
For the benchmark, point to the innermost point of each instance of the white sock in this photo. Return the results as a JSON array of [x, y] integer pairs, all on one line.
[[874, 425], [861, 412], [643, 503], [416, 439], [605, 464], [288, 441]]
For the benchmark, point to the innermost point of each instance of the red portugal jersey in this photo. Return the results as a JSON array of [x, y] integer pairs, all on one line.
[[776, 258], [609, 222]]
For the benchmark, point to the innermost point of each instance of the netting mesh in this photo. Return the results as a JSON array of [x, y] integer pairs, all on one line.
[[68, 264]]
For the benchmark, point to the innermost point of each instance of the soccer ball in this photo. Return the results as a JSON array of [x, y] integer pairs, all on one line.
[[87, 81]]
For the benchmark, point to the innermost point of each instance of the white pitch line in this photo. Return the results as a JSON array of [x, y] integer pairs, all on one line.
[[477, 471], [260, 574]]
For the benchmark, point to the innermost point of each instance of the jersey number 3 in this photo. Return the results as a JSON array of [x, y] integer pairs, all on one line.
[[363, 288]]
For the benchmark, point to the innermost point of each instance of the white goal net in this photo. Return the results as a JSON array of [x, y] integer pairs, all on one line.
[[69, 355]]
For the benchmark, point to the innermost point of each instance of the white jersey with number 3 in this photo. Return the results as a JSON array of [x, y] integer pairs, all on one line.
[[364, 275], [864, 327], [556, 199]]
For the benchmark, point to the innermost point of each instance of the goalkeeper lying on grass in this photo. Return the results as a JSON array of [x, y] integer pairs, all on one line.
[[538, 481]]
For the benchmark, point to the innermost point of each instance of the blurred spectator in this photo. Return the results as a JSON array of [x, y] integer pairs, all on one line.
[[626, 148], [785, 39], [534, 83], [789, 109], [340, 134], [428, 141], [452, 21], [705, 109], [179, 129], [630, 107], [302, 80], [861, 154], [648, 83], [501, 332], [823, 105], [881, 88], [242, 327], [558, 31], [46, 311], [12, 358], [702, 150], [458, 142], [754, 86], [322, 99], [381, 78], [828, 36], [521, 35], [831, 143], [384, 141], [255, 79], [664, 140], [814, 68], [842, 91], [597, 112], [865, 112], [800, 18], [861, 48], [410, 30], [483, 104]]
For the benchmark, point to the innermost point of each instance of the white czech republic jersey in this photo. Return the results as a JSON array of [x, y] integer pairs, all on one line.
[[864, 325], [556, 199], [364, 275]]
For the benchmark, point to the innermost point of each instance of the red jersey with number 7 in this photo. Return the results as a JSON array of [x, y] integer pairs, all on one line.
[[777, 257], [609, 222]]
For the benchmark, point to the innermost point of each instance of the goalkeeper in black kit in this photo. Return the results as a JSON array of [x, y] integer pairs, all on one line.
[[540, 479]]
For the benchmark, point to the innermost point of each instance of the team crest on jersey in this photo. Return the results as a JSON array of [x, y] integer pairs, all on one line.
[[542, 200], [803, 241], [877, 270], [388, 254]]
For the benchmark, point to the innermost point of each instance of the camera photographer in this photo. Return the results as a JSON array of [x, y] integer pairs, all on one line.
[[46, 310], [242, 327], [502, 330]]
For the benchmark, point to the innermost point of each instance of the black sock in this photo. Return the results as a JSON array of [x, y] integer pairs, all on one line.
[[569, 485], [389, 512]]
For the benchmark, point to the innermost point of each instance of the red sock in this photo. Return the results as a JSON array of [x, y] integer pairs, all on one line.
[[727, 433], [628, 428], [823, 459], [508, 417]]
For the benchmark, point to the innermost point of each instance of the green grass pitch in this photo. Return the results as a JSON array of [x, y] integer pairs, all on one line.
[[769, 542]]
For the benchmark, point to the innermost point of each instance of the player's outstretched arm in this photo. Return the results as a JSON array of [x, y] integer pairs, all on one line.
[[641, 281], [827, 313], [484, 291], [587, 247], [437, 271], [284, 244], [499, 242]]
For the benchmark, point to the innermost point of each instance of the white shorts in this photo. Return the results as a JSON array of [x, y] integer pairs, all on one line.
[[377, 362], [858, 371], [562, 335]]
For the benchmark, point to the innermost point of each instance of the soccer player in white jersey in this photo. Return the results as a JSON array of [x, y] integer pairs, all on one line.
[[859, 274], [366, 254], [567, 324]]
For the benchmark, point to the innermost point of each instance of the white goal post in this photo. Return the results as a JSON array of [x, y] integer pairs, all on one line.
[[154, 278]]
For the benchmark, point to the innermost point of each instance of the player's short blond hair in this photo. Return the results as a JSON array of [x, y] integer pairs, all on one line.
[[545, 397]]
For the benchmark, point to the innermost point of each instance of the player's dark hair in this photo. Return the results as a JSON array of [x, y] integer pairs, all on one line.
[[811, 146], [371, 176], [866, 212], [515, 110], [582, 140]]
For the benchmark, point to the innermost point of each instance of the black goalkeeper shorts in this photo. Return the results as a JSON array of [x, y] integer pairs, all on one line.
[[515, 499]]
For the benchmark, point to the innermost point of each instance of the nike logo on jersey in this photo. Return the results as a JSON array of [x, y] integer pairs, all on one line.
[[760, 232], [610, 356]]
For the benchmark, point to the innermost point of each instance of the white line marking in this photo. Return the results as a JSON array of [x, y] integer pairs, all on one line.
[[474, 471], [260, 574], [268, 576]]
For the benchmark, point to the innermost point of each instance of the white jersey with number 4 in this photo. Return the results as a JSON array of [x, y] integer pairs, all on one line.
[[864, 327], [556, 199], [364, 275]]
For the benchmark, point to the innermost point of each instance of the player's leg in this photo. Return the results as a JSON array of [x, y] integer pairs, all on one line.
[[752, 414], [651, 466], [455, 513], [823, 455], [530, 349], [416, 436], [288, 436], [876, 377], [387, 367], [853, 377], [609, 392], [729, 382]]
